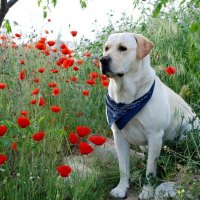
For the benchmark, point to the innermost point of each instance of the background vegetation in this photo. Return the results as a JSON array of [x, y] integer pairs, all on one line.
[[30, 171]]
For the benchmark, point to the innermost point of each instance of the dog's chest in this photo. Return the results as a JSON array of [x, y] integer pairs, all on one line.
[[135, 132]]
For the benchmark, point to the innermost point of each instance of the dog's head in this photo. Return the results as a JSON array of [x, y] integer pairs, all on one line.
[[121, 51]]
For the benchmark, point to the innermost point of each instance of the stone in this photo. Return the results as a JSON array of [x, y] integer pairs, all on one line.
[[165, 190], [80, 166]]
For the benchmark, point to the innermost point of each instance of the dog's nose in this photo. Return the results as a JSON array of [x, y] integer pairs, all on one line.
[[105, 60]]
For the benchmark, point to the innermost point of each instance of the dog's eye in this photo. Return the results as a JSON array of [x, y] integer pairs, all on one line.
[[106, 48], [122, 48]]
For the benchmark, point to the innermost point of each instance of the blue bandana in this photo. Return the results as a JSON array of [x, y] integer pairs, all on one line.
[[121, 114]]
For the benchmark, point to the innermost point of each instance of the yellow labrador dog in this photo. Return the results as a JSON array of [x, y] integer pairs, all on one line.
[[141, 110]]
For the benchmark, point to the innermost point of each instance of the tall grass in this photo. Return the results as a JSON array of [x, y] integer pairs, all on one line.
[[30, 172]]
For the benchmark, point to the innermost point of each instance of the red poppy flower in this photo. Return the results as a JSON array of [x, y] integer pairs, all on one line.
[[55, 91], [73, 78], [63, 46], [14, 45], [80, 62], [85, 148], [38, 136], [42, 40], [35, 91], [41, 102], [64, 170], [46, 31], [76, 68], [23, 121], [170, 70], [105, 83], [18, 35], [87, 54], [33, 101], [60, 61], [41, 70], [68, 63], [55, 71], [24, 112], [3, 130], [40, 46], [54, 50], [85, 92], [36, 80], [52, 84], [51, 42], [73, 138], [90, 82], [3, 37], [49, 20], [55, 109], [66, 51], [2, 86], [83, 130], [22, 62], [3, 159], [14, 146], [97, 139], [74, 33], [103, 77], [22, 75], [94, 75]]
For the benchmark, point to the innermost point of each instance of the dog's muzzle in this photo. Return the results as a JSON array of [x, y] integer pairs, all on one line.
[[105, 67]]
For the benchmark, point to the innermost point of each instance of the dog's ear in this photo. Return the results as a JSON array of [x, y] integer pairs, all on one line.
[[144, 46]]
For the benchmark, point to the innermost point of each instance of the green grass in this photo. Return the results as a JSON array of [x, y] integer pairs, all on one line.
[[30, 172]]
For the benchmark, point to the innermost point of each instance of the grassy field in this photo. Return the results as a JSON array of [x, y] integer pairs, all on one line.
[[30, 171]]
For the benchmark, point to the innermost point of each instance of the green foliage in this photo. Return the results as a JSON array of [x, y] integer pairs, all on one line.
[[45, 12], [7, 26], [194, 27], [47, 2], [83, 3], [159, 6], [31, 170], [54, 2], [39, 2]]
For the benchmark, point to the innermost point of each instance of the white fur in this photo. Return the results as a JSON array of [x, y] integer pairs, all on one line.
[[163, 116]]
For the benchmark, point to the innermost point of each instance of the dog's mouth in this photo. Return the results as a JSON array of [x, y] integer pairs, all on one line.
[[120, 75], [111, 74]]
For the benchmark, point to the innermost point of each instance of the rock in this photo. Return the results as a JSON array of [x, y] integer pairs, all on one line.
[[165, 190], [80, 166]]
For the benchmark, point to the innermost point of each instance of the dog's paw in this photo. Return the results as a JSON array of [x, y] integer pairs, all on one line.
[[119, 192], [147, 193]]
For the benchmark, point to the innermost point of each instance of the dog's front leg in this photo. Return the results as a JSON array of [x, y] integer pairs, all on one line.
[[123, 153], [154, 148]]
